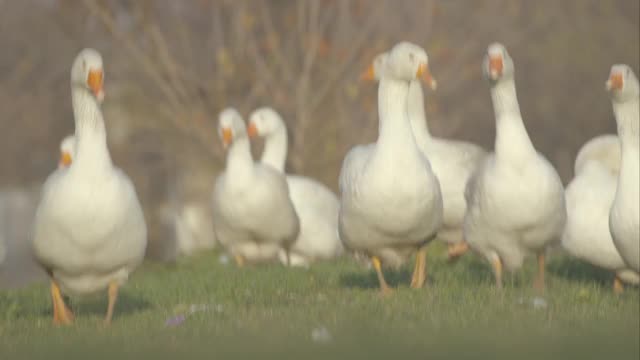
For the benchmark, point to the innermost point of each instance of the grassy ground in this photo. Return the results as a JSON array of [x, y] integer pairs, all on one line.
[[333, 309]]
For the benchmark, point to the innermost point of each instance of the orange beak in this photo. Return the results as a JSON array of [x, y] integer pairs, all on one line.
[[369, 74], [65, 160], [95, 82], [615, 82], [425, 74], [252, 130], [227, 137], [495, 66]]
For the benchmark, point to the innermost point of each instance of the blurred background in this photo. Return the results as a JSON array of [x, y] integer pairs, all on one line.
[[171, 66]]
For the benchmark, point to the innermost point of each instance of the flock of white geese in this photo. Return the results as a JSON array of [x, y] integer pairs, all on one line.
[[396, 194]]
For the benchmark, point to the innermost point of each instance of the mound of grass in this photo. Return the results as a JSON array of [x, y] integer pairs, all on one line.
[[201, 306]]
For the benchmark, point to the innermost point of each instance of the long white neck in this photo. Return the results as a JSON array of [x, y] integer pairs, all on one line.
[[417, 116], [275, 149], [90, 133], [394, 130], [628, 130], [239, 161], [512, 141], [627, 119]]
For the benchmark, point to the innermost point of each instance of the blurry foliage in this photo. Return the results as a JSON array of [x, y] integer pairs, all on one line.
[[171, 66]]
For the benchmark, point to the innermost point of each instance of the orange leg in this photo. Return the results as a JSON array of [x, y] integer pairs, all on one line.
[[56, 308], [419, 273], [497, 272], [618, 288], [455, 251], [113, 295], [239, 260], [61, 314], [539, 284], [384, 288]]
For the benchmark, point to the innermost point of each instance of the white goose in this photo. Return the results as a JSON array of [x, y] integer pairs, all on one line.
[[452, 161], [589, 197], [624, 219], [317, 206], [515, 200], [17, 209], [194, 228], [391, 203], [253, 215], [605, 149], [89, 231]]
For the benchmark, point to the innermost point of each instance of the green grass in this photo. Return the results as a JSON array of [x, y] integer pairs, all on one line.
[[271, 311]]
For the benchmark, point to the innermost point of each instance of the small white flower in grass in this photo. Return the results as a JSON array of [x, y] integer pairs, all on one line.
[[194, 308], [198, 307], [321, 335], [223, 259], [184, 311], [539, 303]]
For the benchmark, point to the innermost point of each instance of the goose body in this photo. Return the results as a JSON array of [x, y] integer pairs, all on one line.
[[515, 199], [452, 162], [191, 225], [194, 228], [624, 218], [316, 206], [89, 231], [586, 236], [253, 214], [604, 149], [86, 240], [391, 203]]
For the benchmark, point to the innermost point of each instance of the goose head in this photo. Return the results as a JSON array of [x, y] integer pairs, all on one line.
[[407, 61], [230, 126], [375, 69], [264, 122], [87, 72], [622, 83], [497, 63], [67, 151]]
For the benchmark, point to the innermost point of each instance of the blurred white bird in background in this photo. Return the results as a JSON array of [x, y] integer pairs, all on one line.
[[316, 205], [253, 215], [589, 197]]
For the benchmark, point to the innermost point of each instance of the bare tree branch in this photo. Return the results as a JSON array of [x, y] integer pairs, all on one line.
[[147, 65]]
